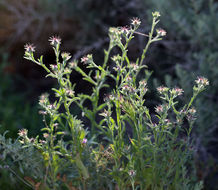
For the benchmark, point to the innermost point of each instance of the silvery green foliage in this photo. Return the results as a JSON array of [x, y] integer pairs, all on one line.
[[18, 162], [191, 25]]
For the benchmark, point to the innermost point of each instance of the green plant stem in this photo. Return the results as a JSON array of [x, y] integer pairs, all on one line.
[[191, 101], [148, 43]]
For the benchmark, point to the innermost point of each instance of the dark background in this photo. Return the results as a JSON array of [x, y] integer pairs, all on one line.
[[189, 50]]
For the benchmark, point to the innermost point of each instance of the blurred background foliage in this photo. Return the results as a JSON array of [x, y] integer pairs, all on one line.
[[189, 50], [15, 112]]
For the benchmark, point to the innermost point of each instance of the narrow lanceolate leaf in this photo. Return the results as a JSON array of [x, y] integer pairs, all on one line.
[[101, 106], [57, 91], [46, 129]]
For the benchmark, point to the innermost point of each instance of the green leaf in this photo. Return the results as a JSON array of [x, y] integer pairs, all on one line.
[[127, 60], [60, 133], [82, 135], [46, 129], [101, 106]]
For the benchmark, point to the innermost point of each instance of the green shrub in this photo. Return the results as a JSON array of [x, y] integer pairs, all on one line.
[[110, 155]]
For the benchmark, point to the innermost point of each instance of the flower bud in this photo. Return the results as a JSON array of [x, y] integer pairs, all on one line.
[[161, 32], [156, 14], [65, 56]]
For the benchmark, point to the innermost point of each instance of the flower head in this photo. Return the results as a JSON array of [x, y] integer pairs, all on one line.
[[117, 68], [65, 56], [72, 64], [162, 89], [55, 124], [70, 92], [55, 40], [177, 91], [192, 111], [190, 117], [51, 107], [109, 97], [116, 58], [67, 71], [86, 59], [45, 135], [43, 112], [128, 79], [202, 81], [29, 48], [84, 141], [115, 35], [54, 67], [132, 173], [134, 66], [128, 89], [43, 98], [125, 30], [22, 132], [105, 113], [135, 22], [42, 141], [159, 109], [142, 83], [114, 31]]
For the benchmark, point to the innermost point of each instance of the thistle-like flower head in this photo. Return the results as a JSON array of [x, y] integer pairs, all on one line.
[[29, 48], [135, 22], [55, 40]]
